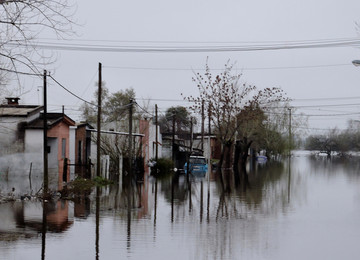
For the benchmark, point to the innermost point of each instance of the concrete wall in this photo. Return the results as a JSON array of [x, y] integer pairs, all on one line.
[[34, 141], [9, 134]]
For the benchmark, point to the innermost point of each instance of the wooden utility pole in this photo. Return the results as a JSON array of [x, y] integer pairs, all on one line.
[[156, 134], [209, 122], [290, 141], [173, 137], [98, 143], [45, 147], [202, 124], [191, 135], [130, 136]]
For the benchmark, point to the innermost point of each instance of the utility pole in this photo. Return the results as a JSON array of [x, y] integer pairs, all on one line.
[[98, 143], [173, 137], [290, 139], [209, 152], [191, 135], [202, 124], [156, 134], [45, 147], [130, 136], [209, 122]]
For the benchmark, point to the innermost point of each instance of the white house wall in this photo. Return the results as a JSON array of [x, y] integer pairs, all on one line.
[[8, 135], [152, 142], [34, 141]]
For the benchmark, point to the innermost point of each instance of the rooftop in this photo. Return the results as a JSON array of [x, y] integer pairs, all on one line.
[[19, 110]]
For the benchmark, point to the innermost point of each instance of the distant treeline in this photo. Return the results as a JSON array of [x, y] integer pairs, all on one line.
[[335, 140]]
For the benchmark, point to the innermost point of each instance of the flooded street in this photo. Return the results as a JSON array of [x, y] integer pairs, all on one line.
[[309, 209]]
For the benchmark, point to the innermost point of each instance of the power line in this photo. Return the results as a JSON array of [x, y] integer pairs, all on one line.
[[57, 82], [324, 99], [163, 99], [199, 69], [143, 109], [189, 49], [21, 72], [329, 105], [194, 42]]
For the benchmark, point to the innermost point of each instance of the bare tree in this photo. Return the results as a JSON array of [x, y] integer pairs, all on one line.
[[21, 22], [237, 111], [224, 98]]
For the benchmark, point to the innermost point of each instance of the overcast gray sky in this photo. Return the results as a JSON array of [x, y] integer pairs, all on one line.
[[307, 75]]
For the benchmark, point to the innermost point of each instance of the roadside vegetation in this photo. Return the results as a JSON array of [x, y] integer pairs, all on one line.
[[243, 116]]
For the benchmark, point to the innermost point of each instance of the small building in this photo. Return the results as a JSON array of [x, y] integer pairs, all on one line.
[[13, 119], [83, 150], [148, 142], [21, 142], [58, 134]]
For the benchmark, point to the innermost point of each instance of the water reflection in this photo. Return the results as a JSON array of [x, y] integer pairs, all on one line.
[[332, 166], [225, 216]]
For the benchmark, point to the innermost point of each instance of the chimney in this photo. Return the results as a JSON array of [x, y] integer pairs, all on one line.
[[12, 101]]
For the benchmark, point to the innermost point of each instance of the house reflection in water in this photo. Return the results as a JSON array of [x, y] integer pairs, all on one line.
[[29, 216]]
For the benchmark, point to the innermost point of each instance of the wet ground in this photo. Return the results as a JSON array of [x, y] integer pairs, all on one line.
[[308, 209]]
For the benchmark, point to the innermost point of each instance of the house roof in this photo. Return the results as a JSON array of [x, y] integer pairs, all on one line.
[[84, 124], [52, 120], [19, 110]]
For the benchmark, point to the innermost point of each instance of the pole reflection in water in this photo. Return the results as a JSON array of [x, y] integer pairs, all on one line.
[[245, 218], [172, 198], [208, 205], [43, 231], [289, 180], [155, 207], [201, 201], [97, 224], [190, 201], [208, 193], [129, 193]]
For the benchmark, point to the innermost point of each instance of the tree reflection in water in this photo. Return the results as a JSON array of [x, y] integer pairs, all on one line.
[[210, 205]]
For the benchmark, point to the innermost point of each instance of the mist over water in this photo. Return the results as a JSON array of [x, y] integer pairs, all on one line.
[[303, 208]]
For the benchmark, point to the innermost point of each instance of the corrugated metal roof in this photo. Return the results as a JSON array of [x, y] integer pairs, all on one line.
[[17, 110]]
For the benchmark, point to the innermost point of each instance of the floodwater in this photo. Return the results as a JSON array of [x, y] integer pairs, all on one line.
[[308, 209]]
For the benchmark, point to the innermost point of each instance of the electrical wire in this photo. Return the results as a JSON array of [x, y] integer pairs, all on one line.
[[21, 72], [143, 109], [188, 49], [195, 42], [244, 69], [57, 82]]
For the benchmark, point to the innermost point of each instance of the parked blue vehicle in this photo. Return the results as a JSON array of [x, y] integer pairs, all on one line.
[[197, 166]]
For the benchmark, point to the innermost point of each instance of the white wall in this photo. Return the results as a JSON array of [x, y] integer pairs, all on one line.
[[34, 141], [8, 135], [152, 139], [72, 144]]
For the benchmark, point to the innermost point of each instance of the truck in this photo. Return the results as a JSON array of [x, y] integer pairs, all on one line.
[[197, 165]]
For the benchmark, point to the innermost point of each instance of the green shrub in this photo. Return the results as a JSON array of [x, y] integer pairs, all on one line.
[[164, 166]]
